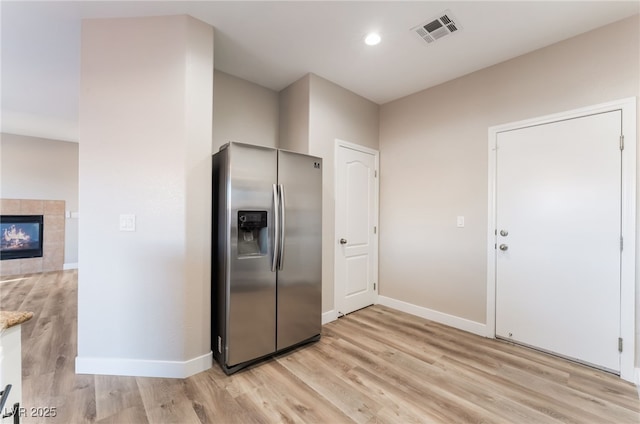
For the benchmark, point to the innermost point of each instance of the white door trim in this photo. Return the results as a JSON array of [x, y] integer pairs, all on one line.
[[628, 271], [376, 154]]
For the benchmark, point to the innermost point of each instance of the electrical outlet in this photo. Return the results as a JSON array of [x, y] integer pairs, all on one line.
[[127, 222]]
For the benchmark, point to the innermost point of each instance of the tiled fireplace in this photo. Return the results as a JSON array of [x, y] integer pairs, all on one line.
[[53, 235]]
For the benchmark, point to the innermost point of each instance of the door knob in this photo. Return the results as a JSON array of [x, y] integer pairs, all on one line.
[[504, 233], [504, 247], [343, 241]]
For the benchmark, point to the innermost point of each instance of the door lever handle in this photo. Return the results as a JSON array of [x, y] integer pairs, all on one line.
[[343, 241]]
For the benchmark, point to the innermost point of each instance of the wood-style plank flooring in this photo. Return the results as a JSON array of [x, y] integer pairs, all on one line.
[[376, 365]]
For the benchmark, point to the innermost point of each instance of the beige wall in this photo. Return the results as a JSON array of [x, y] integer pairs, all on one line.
[[40, 168], [244, 112], [335, 113], [294, 116], [434, 160], [146, 108]]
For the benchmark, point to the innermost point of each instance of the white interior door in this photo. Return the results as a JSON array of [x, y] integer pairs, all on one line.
[[356, 221], [558, 216]]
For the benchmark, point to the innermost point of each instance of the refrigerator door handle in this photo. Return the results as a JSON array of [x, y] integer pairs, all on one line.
[[282, 226], [276, 228]]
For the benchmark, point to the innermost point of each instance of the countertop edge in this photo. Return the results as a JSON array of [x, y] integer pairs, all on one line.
[[10, 319]]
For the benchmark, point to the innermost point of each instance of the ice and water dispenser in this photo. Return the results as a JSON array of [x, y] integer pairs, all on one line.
[[252, 233]]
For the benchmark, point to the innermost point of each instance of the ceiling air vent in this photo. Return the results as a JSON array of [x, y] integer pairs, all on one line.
[[434, 29]]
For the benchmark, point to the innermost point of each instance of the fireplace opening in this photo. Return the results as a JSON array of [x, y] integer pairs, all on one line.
[[21, 236]]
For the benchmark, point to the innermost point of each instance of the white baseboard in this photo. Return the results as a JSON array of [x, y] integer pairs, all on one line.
[[442, 318], [70, 266], [329, 316], [638, 381], [143, 367]]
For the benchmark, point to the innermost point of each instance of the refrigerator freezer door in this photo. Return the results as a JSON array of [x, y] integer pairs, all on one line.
[[251, 308], [300, 276]]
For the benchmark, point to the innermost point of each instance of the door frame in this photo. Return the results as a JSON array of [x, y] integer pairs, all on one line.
[[337, 301], [628, 257]]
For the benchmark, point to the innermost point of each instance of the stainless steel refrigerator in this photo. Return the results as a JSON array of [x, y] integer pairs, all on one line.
[[267, 247]]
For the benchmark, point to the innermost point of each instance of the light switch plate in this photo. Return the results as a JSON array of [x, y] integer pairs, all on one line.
[[127, 222], [460, 221]]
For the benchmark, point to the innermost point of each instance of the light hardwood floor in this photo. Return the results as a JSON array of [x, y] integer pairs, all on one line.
[[376, 365]]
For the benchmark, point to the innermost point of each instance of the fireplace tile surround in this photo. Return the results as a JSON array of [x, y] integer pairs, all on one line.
[[53, 244]]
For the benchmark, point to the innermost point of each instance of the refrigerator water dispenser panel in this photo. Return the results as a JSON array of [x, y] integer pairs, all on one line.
[[252, 233]]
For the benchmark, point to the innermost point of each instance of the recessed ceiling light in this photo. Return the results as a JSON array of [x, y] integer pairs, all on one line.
[[372, 39]]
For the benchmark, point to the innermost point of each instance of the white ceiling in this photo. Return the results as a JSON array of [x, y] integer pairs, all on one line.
[[275, 43]]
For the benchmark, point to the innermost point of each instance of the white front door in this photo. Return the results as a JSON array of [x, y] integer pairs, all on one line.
[[558, 241], [356, 231]]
